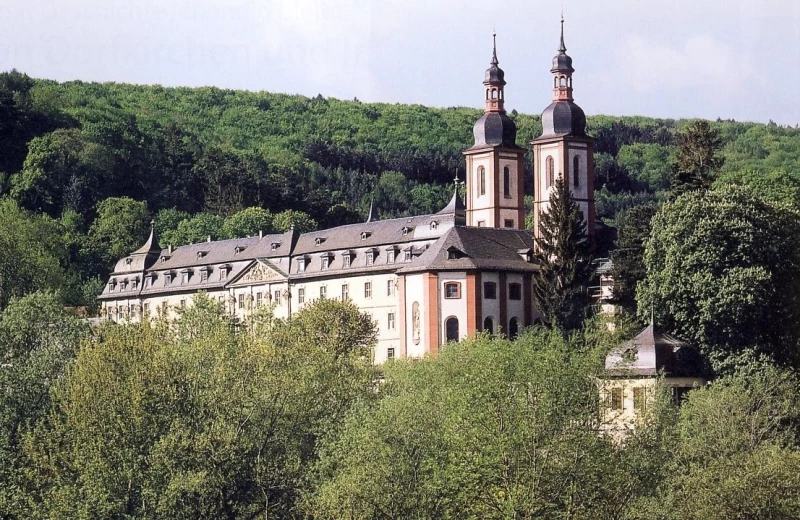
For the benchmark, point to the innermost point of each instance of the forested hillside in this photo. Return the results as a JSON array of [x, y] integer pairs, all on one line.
[[93, 163]]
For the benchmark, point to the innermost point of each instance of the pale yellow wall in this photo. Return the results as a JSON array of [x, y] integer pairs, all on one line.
[[452, 307]]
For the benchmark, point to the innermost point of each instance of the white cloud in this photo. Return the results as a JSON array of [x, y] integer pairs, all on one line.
[[701, 62]]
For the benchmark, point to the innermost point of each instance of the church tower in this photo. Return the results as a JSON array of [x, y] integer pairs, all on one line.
[[495, 187], [563, 150]]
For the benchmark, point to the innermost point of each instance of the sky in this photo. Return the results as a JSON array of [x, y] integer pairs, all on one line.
[[736, 59]]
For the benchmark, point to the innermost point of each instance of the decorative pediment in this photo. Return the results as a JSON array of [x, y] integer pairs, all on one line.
[[260, 271]]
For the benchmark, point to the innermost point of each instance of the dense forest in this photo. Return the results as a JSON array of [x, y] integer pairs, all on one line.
[[206, 416], [88, 166]]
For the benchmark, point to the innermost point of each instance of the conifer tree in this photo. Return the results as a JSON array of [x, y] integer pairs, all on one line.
[[628, 254], [565, 269], [698, 162]]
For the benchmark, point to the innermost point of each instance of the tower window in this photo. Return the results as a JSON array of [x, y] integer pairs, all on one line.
[[488, 325], [451, 329], [551, 170], [490, 290], [481, 181], [514, 291], [576, 169], [506, 183]]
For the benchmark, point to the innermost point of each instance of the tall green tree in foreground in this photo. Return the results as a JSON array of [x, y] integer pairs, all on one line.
[[565, 270], [698, 160], [628, 255], [723, 271]]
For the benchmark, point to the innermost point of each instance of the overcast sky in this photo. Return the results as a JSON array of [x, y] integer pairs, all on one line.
[[662, 58]]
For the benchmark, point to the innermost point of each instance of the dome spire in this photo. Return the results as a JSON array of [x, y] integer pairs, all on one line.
[[494, 49], [562, 47]]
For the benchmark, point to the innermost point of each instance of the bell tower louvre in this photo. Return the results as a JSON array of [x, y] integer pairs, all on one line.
[[564, 149], [495, 187]]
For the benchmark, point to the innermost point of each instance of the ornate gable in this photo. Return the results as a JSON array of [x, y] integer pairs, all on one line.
[[260, 271]]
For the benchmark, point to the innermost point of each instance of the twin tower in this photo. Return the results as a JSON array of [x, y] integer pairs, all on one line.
[[495, 184]]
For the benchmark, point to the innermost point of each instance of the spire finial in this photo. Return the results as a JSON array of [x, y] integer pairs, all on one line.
[[494, 48], [562, 47]]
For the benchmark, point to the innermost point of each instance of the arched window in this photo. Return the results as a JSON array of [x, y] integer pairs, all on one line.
[[551, 170], [488, 325], [513, 328], [481, 180], [506, 183], [451, 329], [494, 93], [576, 171]]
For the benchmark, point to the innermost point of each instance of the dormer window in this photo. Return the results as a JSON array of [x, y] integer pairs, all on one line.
[[370, 257], [301, 265], [167, 279], [123, 285], [454, 253], [434, 224], [406, 229], [348, 259], [239, 249], [112, 285], [407, 255], [319, 241], [148, 281], [164, 258], [185, 276], [365, 235], [135, 283], [201, 254], [326, 262], [204, 275], [223, 272], [128, 261], [275, 245]]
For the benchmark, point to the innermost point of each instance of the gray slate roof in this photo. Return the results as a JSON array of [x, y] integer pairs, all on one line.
[[651, 352]]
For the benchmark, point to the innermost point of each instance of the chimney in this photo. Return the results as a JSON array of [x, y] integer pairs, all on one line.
[[169, 249], [260, 233], [209, 238]]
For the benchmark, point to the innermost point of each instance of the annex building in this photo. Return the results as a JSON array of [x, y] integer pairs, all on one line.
[[425, 280]]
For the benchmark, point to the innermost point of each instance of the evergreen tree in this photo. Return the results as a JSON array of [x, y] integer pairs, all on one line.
[[698, 163], [564, 260], [628, 254]]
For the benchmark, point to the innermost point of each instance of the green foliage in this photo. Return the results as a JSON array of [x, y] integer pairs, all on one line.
[[722, 272], [121, 226], [247, 223], [488, 429], [198, 229], [698, 161], [191, 419], [32, 253], [299, 220], [734, 452], [562, 252], [628, 255]]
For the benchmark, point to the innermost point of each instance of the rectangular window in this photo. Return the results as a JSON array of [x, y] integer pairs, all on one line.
[[204, 275], [148, 281], [508, 223], [241, 301], [490, 290], [147, 309], [278, 297], [639, 399], [221, 299], [514, 291], [616, 398], [259, 298], [184, 277], [390, 256], [348, 260], [344, 292], [301, 266], [223, 273], [390, 288], [390, 321], [167, 279], [301, 295], [367, 289], [370, 258], [407, 256], [323, 292], [390, 353], [135, 283], [326, 262], [183, 303], [452, 290]]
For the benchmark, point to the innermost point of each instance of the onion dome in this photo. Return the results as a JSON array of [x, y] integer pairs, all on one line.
[[494, 74], [563, 118], [562, 62]]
